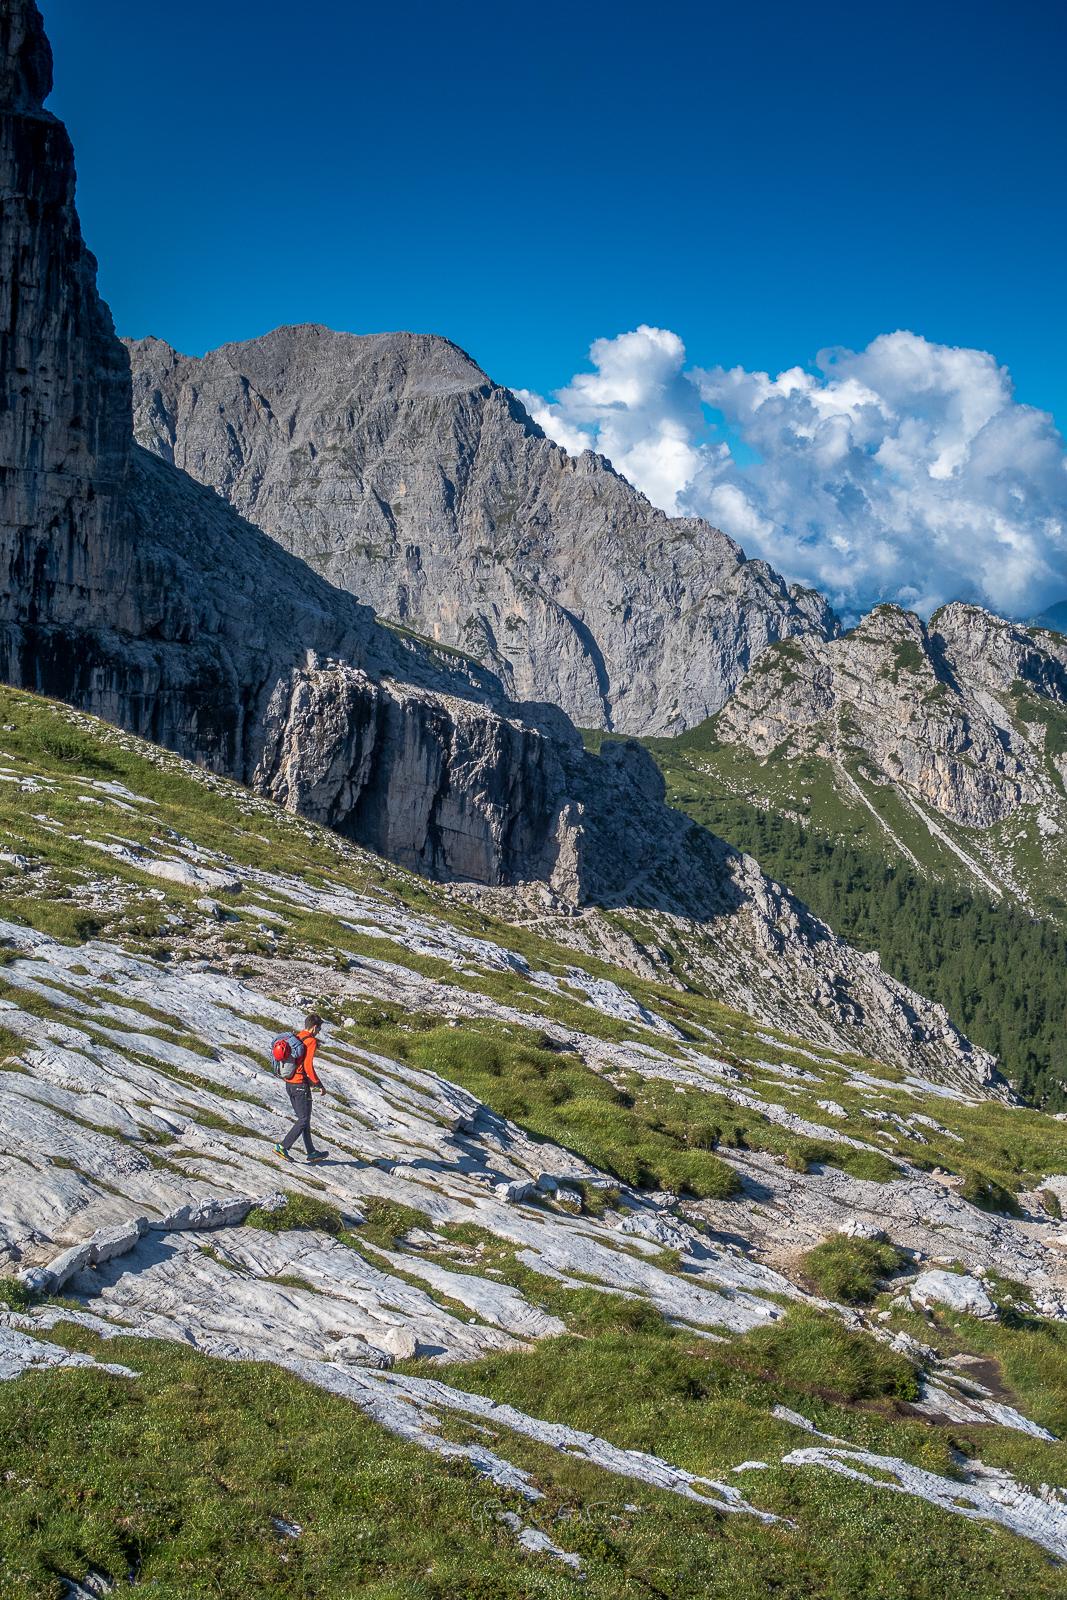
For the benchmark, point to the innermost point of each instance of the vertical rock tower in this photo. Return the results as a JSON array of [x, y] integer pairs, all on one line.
[[65, 418]]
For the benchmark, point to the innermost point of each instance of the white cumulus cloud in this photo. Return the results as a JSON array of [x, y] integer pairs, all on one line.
[[906, 471], [638, 408]]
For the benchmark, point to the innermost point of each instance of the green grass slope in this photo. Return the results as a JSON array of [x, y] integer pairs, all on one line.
[[178, 1481]]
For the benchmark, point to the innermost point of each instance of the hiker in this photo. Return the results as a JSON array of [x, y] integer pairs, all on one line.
[[299, 1085]]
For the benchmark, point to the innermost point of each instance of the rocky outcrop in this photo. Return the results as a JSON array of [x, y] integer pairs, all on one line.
[[428, 779], [64, 426], [396, 468], [958, 715]]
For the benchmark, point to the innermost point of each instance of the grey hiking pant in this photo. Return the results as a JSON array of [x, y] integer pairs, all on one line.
[[300, 1100]]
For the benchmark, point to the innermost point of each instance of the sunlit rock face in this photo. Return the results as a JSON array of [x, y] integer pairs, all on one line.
[[954, 713], [393, 465]]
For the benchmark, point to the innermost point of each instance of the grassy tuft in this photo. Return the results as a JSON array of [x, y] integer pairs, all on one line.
[[387, 1221], [850, 1270], [14, 1294], [11, 1043], [817, 1354], [985, 1192], [55, 739], [299, 1211]]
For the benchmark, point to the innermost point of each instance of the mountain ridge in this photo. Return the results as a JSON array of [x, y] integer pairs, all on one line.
[[950, 735], [434, 496]]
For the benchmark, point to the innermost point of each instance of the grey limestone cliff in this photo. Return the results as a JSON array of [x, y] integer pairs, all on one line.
[[396, 468], [958, 714]]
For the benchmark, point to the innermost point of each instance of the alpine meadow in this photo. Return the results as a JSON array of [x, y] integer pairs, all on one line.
[[533, 914]]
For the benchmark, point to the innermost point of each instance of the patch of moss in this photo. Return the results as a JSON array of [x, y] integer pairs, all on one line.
[[387, 1221]]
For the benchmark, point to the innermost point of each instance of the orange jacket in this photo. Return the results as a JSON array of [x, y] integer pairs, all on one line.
[[305, 1072]]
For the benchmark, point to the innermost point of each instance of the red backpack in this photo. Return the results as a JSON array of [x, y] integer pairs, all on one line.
[[287, 1055]]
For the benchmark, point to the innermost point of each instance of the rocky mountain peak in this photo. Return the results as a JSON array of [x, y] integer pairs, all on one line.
[[1001, 654], [65, 430], [889, 621], [962, 718], [398, 469]]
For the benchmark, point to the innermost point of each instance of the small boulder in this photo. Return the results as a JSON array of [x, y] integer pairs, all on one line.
[[955, 1291], [513, 1192], [856, 1228], [106, 1243], [831, 1108], [399, 1342], [190, 876], [657, 1229], [65, 1265], [37, 1280], [210, 1213], [357, 1351]]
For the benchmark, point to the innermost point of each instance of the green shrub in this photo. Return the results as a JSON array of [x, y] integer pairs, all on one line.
[[817, 1354], [70, 924], [591, 1311], [989, 1195], [701, 1175], [1050, 1200], [56, 739], [388, 1220], [11, 1043], [703, 1134], [14, 1294], [299, 1211], [869, 1164], [849, 1270], [597, 1200]]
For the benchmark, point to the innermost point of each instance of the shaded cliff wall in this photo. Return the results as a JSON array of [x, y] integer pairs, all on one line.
[[135, 593]]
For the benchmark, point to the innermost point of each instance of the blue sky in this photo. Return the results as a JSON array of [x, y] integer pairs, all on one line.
[[765, 181]]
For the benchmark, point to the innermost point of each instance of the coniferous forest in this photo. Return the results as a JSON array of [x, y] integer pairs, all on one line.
[[999, 972]]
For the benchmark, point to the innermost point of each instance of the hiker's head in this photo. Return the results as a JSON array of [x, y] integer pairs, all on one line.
[[312, 1022]]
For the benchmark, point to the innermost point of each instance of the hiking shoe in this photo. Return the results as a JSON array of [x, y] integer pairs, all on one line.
[[319, 1156], [280, 1150]]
